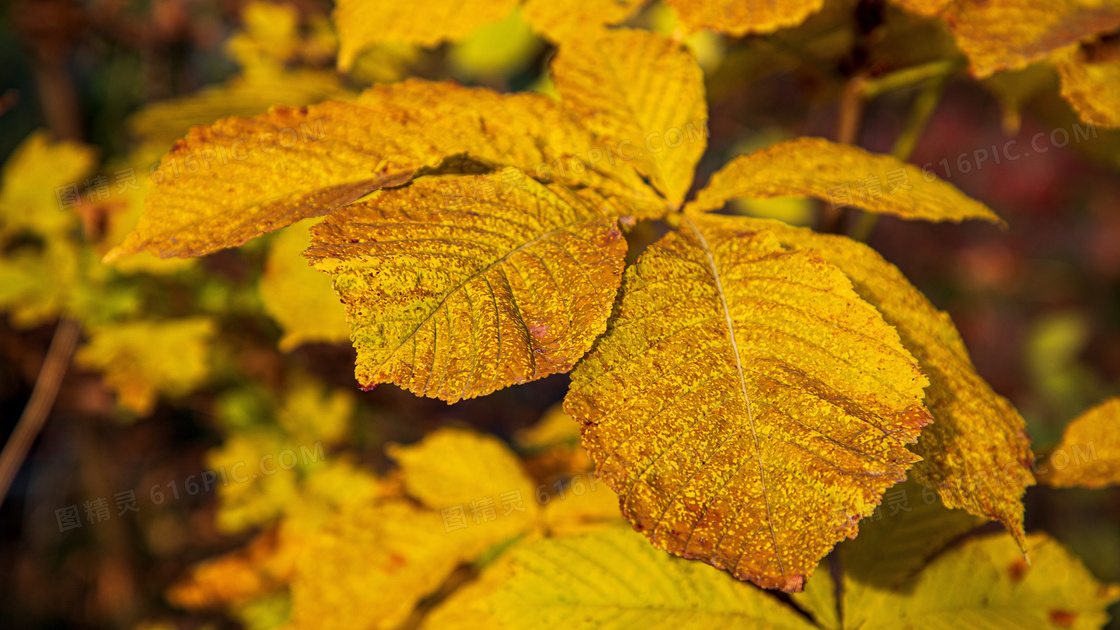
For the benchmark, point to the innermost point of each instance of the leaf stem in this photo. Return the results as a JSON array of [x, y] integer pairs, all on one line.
[[35, 414], [924, 105]]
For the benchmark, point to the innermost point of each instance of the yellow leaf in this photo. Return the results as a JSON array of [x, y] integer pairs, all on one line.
[[910, 527], [455, 467], [976, 453], [37, 180], [141, 360], [298, 297], [1091, 82], [819, 598], [843, 175], [643, 94], [312, 412], [985, 583], [738, 18], [593, 508], [745, 404], [568, 21], [371, 564], [38, 286], [1010, 34], [1089, 454], [362, 23], [455, 288], [239, 178], [613, 580]]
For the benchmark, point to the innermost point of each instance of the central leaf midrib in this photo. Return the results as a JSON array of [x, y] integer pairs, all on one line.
[[703, 242]]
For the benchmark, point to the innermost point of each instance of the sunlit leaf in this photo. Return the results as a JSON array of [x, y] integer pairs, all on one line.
[[40, 183], [362, 23], [745, 404], [242, 177], [976, 454], [644, 95], [141, 360], [842, 174], [1091, 81], [455, 287], [739, 17], [986, 583], [298, 297], [613, 579], [569, 21], [1010, 34], [1089, 450]]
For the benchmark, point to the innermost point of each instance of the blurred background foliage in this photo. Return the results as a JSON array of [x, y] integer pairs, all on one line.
[[192, 366]]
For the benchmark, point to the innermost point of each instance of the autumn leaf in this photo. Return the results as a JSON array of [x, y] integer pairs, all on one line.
[[407, 548], [570, 21], [143, 359], [819, 598], [362, 23], [643, 94], [1090, 76], [1010, 34], [976, 453], [455, 467], [298, 297], [239, 178], [454, 293], [405, 554], [745, 404], [842, 174], [613, 579], [739, 18], [986, 583], [909, 528], [1090, 450], [37, 180]]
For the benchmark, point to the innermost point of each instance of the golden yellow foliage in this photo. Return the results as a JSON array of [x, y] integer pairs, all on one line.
[[298, 297], [985, 583], [739, 17], [455, 467], [567, 22], [362, 23], [976, 453], [455, 287], [843, 175], [642, 93], [720, 446], [1091, 81], [1010, 34], [612, 579], [141, 360], [1090, 450], [242, 177], [33, 183]]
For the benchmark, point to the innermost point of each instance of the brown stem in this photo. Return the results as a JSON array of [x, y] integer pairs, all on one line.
[[39, 406]]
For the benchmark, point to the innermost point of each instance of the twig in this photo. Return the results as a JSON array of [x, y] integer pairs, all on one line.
[[39, 406]]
